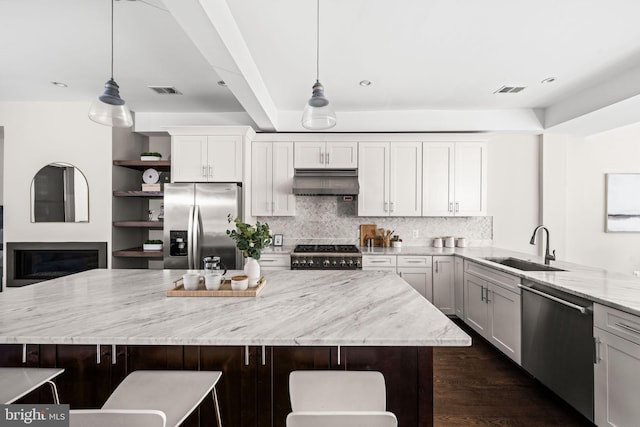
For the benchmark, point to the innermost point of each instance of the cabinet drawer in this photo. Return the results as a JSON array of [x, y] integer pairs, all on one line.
[[378, 261], [505, 280], [414, 261], [273, 260], [617, 322]]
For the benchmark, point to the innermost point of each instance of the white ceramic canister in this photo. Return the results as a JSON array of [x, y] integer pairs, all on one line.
[[461, 242], [437, 242], [449, 242]]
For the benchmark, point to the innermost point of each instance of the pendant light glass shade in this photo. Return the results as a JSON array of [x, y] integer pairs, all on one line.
[[318, 113], [109, 109]]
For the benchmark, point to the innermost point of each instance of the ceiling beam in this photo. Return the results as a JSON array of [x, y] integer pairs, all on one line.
[[211, 27]]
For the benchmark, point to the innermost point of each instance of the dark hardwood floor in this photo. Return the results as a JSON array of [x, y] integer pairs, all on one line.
[[479, 386]]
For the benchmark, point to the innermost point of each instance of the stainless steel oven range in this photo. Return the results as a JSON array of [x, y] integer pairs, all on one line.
[[326, 257]]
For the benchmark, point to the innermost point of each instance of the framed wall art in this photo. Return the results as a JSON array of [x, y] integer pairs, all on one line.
[[623, 202]]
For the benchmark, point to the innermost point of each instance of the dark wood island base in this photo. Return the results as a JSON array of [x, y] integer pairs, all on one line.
[[254, 388]]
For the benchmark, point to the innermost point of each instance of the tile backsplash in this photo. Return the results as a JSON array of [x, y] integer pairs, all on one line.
[[329, 219]]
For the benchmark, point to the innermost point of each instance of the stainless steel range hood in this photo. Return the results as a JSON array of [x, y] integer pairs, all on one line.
[[326, 182]]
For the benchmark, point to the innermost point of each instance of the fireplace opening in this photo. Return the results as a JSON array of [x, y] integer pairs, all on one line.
[[29, 263]]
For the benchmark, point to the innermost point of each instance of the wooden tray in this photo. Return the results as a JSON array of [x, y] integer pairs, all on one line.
[[224, 291], [369, 230]]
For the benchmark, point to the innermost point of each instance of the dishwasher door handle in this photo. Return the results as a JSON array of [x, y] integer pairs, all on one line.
[[581, 309]]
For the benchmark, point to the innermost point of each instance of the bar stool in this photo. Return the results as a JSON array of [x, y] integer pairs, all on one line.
[[18, 382], [338, 399], [174, 394]]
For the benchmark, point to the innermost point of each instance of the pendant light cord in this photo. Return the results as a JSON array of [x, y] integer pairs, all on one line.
[[112, 39], [318, 41]]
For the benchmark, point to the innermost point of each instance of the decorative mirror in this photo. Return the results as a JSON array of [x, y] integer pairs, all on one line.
[[59, 193]]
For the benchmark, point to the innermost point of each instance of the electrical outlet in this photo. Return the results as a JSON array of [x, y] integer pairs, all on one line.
[[636, 273], [416, 234]]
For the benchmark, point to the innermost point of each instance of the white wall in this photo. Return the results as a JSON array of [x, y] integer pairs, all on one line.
[[513, 188], [36, 134], [589, 159]]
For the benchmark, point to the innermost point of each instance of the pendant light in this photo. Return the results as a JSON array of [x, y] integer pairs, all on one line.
[[109, 109], [318, 113]]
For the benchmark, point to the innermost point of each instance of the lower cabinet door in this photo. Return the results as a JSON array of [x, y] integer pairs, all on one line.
[[505, 320], [476, 312], [617, 381], [443, 284], [420, 279]]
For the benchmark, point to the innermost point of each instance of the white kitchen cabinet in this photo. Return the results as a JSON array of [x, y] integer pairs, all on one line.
[[417, 271], [199, 158], [459, 287], [454, 179], [617, 367], [272, 179], [443, 284], [492, 307], [390, 177], [379, 262], [274, 262], [326, 155]]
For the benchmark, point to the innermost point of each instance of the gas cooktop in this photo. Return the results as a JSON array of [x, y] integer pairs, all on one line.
[[326, 249]]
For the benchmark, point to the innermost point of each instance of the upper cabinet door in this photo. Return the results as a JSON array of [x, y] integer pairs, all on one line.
[[284, 202], [341, 155], [326, 155], [261, 179], [189, 159], [437, 179], [470, 179], [405, 179], [309, 155], [373, 176], [224, 154]]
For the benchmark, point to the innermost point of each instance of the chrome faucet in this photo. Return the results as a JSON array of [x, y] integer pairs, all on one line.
[[547, 256]]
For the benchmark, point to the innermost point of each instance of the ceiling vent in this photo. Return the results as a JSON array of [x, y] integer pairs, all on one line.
[[510, 89], [165, 90]]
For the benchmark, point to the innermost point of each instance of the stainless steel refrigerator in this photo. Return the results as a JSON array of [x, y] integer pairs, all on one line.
[[195, 224]]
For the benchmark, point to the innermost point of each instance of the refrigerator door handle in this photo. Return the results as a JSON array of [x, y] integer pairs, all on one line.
[[196, 238], [190, 239]]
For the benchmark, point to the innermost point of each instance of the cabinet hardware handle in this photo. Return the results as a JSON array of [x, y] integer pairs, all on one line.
[[210, 170], [628, 328], [482, 293], [598, 356], [264, 356], [24, 353], [377, 261], [386, 206], [328, 158], [266, 205], [321, 157], [415, 262], [246, 355], [114, 355], [486, 297], [267, 260], [392, 207], [437, 266], [339, 361], [401, 274], [450, 206], [204, 170], [98, 354], [457, 206]]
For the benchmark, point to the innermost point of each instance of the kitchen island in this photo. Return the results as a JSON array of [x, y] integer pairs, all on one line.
[[101, 324]]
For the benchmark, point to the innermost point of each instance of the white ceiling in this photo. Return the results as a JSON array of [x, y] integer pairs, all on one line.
[[434, 64]]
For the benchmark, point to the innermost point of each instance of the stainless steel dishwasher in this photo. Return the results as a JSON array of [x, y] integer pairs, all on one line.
[[557, 343]]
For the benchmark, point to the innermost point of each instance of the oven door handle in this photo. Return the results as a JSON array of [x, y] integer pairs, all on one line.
[[581, 309]]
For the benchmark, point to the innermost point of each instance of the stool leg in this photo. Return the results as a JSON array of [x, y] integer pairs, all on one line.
[[54, 391], [217, 406]]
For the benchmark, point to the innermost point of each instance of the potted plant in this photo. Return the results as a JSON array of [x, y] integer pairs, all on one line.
[[250, 240], [152, 245], [150, 155], [396, 242]]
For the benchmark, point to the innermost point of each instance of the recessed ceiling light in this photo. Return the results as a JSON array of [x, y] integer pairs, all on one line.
[[222, 83], [59, 84], [548, 80], [365, 83]]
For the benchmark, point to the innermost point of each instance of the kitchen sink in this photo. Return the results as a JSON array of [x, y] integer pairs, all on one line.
[[523, 265]]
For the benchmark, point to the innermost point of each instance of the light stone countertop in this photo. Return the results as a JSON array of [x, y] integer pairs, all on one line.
[[305, 308]]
